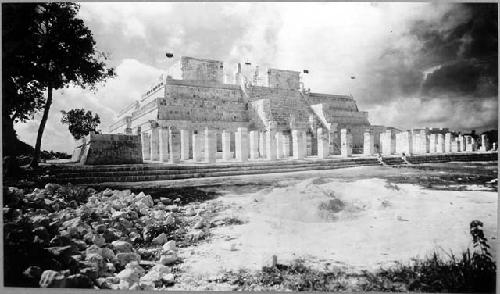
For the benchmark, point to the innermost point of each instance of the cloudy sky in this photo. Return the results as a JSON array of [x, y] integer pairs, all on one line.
[[415, 64]]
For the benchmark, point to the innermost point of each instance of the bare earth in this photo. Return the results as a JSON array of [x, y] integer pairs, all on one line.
[[377, 223]]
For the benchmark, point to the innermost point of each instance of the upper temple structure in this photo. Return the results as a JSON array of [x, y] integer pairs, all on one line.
[[199, 93], [198, 112]]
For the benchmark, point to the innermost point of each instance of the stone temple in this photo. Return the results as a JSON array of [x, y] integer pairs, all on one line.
[[201, 112]]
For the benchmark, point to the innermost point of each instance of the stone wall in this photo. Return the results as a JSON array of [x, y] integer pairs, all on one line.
[[111, 149], [202, 69], [287, 106], [283, 79], [202, 103]]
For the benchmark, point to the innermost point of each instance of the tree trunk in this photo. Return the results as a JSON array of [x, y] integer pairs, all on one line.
[[9, 138], [41, 128]]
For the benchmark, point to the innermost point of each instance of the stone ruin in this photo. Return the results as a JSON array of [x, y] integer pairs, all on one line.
[[200, 112]]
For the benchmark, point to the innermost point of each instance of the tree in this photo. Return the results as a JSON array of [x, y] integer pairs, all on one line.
[[22, 94], [60, 51], [80, 123]]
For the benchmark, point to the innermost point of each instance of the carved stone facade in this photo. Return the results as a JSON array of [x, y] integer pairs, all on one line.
[[268, 103]]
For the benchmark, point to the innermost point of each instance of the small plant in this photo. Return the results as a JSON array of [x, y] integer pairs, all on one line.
[[80, 123], [333, 205]]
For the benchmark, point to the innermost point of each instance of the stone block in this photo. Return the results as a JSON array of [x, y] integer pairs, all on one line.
[[101, 149]]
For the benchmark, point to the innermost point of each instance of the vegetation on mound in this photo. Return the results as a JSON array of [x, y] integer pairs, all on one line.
[[471, 272]]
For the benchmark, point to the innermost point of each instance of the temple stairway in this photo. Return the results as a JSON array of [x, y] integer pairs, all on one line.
[[77, 174]]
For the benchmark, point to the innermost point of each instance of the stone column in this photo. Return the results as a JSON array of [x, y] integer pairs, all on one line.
[[415, 138], [404, 143], [185, 134], [463, 143], [279, 145], [299, 148], [210, 146], [368, 143], [484, 143], [286, 144], [262, 144], [345, 143], [440, 143], [226, 145], [432, 143], [270, 136], [323, 143], [455, 145], [146, 146], [197, 146], [388, 142], [424, 141], [163, 138], [155, 144], [447, 142], [254, 144], [241, 144], [469, 144], [174, 141]]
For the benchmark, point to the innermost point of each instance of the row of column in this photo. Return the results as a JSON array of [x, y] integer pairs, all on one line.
[[173, 145], [421, 142]]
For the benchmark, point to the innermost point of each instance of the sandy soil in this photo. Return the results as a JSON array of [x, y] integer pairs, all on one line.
[[380, 223]]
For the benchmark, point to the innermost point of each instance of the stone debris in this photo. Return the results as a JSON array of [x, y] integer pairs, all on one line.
[[109, 239]]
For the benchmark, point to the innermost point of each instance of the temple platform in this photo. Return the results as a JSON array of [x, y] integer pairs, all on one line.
[[66, 172]]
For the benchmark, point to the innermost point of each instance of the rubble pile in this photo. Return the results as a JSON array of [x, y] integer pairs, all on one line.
[[69, 236]]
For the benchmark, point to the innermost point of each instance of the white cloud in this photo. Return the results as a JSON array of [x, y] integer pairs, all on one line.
[[133, 78], [334, 41]]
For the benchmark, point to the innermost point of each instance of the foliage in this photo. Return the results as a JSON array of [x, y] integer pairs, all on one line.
[[54, 49], [22, 93], [472, 272], [80, 123]]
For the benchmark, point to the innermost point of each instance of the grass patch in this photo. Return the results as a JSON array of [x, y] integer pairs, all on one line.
[[470, 272]]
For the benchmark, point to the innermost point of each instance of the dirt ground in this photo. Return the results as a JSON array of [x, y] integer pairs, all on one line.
[[355, 218]]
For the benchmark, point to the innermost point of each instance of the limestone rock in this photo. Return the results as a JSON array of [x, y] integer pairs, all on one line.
[[160, 239], [170, 246], [127, 257], [98, 240], [52, 279], [122, 246], [168, 259]]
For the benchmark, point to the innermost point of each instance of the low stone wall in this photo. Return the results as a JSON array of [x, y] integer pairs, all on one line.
[[111, 149]]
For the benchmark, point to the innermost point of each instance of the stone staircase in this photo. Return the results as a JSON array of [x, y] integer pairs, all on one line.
[[156, 172]]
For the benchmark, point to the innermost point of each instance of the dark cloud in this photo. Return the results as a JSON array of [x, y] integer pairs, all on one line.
[[472, 47]]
